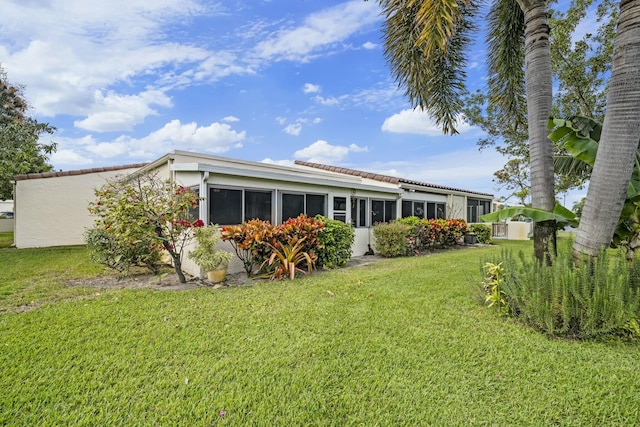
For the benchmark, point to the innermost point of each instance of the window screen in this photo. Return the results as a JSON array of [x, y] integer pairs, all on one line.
[[315, 205], [292, 205], [257, 205], [225, 206]]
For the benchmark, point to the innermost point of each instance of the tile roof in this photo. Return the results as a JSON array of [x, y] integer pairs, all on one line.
[[76, 172], [383, 178]]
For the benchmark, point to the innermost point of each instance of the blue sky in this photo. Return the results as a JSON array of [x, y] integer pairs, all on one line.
[[126, 81]]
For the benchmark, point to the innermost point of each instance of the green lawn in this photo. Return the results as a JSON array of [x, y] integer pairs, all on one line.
[[399, 342], [6, 240]]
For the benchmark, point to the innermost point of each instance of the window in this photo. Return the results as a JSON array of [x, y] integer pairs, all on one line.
[[436, 210], [225, 206], [340, 209], [257, 205], [292, 205], [194, 211], [359, 212], [383, 211], [315, 205], [411, 208], [476, 208], [309, 204], [229, 206]]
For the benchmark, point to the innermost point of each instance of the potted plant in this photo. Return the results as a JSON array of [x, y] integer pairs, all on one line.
[[213, 261]]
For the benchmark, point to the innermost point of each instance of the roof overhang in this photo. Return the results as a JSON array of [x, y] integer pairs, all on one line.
[[274, 175], [444, 191]]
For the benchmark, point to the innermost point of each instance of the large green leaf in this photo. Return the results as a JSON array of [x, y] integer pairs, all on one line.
[[559, 214], [579, 136]]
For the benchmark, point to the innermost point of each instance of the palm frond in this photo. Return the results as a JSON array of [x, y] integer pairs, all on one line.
[[433, 77], [441, 17], [506, 60]]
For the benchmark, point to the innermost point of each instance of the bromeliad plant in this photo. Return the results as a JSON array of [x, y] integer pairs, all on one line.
[[287, 259], [145, 209], [255, 241]]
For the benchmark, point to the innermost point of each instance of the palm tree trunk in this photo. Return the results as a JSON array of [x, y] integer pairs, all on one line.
[[537, 58], [619, 141]]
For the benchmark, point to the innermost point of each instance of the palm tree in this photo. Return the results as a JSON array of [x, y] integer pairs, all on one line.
[[424, 44], [619, 140]]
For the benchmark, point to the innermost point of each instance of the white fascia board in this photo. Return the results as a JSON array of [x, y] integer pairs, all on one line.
[[424, 189], [278, 176]]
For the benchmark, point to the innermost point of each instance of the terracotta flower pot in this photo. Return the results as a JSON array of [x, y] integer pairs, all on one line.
[[217, 276]]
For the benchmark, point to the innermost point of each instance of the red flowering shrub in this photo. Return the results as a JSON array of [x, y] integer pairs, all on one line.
[[412, 235], [148, 213]]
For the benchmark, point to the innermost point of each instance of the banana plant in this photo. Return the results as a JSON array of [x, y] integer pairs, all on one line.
[[580, 136], [561, 215]]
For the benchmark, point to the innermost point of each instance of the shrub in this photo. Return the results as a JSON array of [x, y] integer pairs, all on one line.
[[482, 232], [254, 241], [120, 255], [336, 242], [454, 230], [206, 255], [420, 237], [493, 284], [141, 209], [437, 232], [250, 241], [394, 239], [301, 227], [597, 297]]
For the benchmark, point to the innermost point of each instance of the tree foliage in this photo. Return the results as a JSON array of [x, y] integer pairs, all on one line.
[[143, 208], [425, 43], [580, 68], [21, 151]]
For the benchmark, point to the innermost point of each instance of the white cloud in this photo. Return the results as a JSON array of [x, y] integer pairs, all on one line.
[[230, 119], [316, 120], [69, 157], [293, 129], [215, 138], [319, 31], [326, 101], [369, 45], [417, 121], [357, 149], [323, 152], [109, 149], [383, 96], [311, 88], [121, 112], [281, 120], [66, 50]]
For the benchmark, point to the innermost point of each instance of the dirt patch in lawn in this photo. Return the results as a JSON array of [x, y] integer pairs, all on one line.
[[169, 281]]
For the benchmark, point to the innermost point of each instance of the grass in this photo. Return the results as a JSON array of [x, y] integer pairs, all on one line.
[[6, 240], [399, 342], [39, 276]]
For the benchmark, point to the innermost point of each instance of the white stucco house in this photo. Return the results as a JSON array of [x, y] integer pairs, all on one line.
[[51, 208]]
